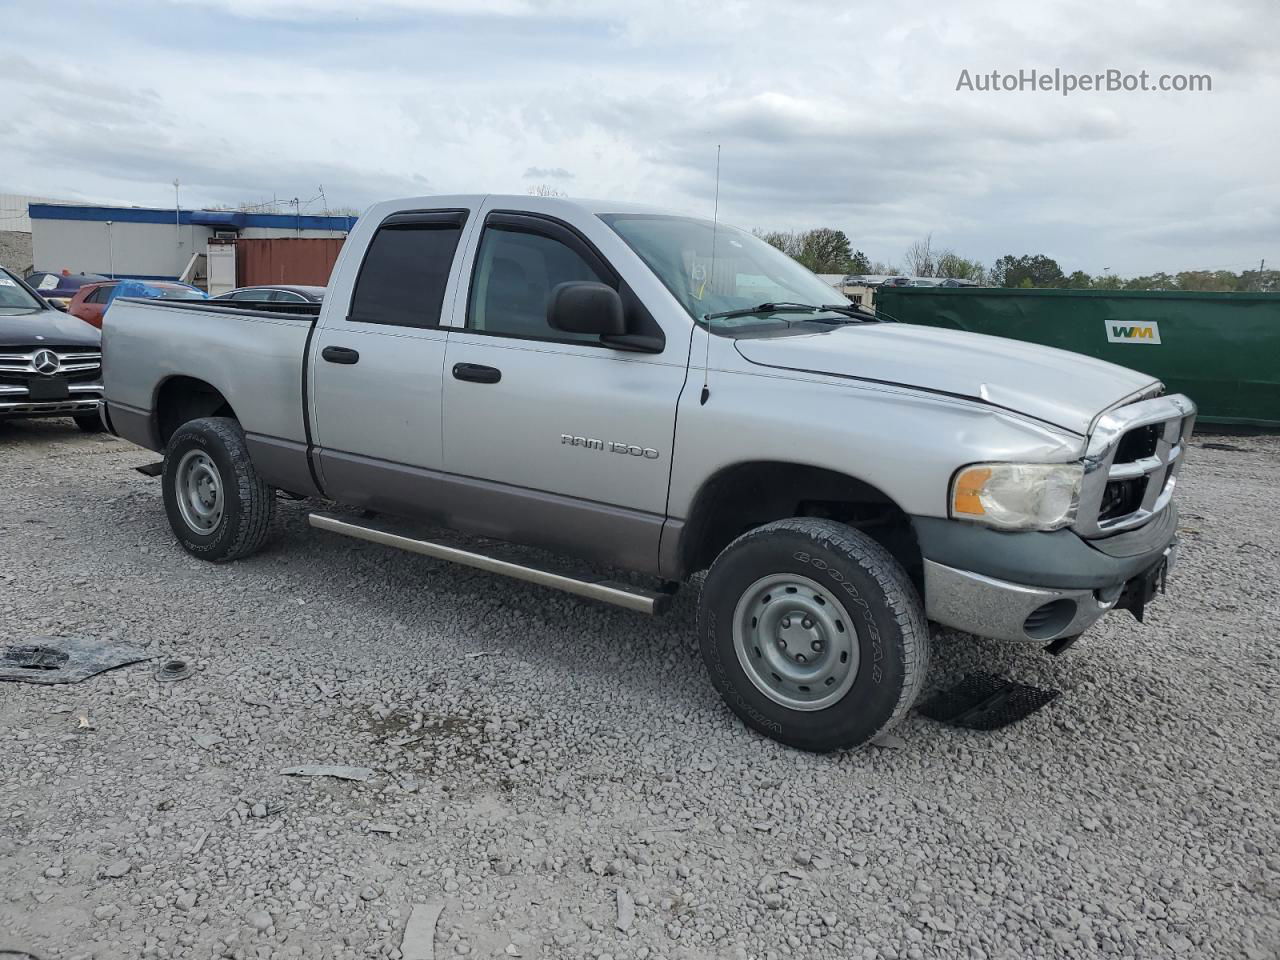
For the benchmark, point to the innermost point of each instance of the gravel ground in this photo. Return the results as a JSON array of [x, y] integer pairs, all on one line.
[[560, 776]]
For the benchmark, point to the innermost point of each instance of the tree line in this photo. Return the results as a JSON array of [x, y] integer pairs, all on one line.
[[826, 250], [1039, 270]]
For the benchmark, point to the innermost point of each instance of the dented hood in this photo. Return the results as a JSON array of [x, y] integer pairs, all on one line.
[[1066, 389]]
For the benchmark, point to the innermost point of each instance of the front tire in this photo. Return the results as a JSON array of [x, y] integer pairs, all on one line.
[[813, 634], [218, 506]]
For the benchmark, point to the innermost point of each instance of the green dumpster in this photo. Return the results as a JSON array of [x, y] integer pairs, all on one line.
[[1221, 349]]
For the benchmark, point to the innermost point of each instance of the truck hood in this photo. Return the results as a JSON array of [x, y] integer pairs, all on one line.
[[1065, 389], [50, 328]]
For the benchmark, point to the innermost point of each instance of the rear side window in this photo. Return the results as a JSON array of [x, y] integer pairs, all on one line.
[[405, 270]]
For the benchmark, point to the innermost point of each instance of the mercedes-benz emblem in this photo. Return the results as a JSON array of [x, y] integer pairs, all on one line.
[[46, 362]]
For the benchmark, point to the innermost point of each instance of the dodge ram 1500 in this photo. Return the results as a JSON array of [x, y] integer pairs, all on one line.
[[665, 395]]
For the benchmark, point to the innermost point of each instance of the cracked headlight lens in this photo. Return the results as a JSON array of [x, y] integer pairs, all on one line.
[[1018, 496]]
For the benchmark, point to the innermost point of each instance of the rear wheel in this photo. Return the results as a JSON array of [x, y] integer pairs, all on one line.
[[218, 506], [89, 423], [813, 634]]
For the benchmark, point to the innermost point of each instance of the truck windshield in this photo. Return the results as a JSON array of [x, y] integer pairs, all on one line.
[[747, 271], [14, 298]]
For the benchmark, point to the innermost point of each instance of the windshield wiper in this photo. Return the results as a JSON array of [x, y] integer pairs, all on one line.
[[849, 313], [782, 307]]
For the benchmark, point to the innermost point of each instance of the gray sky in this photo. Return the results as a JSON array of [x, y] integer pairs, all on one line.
[[829, 114]]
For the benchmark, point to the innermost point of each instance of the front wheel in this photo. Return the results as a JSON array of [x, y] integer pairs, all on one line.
[[813, 634], [218, 506]]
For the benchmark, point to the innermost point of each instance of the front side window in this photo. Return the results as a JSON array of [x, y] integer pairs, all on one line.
[[515, 273], [404, 273], [711, 268]]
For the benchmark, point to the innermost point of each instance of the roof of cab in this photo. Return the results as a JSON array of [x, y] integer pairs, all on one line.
[[526, 202]]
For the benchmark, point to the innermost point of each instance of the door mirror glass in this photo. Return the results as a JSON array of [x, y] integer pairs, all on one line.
[[583, 306]]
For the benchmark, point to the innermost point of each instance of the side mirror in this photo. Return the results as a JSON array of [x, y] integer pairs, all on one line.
[[586, 307]]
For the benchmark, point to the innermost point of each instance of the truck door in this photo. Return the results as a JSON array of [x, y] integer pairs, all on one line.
[[375, 364], [565, 442]]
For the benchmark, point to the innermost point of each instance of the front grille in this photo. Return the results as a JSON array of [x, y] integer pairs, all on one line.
[[1138, 443], [70, 359], [1122, 497], [1132, 464], [21, 378], [75, 365]]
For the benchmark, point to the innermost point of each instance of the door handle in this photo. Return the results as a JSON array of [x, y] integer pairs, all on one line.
[[476, 373], [340, 355]]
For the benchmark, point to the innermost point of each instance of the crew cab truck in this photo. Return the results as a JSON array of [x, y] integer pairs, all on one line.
[[666, 395]]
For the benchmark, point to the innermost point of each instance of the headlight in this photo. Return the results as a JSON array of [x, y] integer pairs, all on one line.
[[1018, 496]]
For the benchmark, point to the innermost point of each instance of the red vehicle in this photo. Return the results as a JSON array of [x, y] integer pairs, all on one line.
[[91, 300]]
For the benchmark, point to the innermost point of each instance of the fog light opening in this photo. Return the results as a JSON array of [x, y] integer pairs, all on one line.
[[1049, 620]]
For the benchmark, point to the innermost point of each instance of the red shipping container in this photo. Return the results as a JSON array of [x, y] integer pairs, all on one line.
[[304, 260]]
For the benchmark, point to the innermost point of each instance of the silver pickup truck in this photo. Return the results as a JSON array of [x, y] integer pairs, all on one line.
[[663, 395]]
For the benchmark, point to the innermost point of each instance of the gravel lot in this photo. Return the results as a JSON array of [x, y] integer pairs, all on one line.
[[546, 767]]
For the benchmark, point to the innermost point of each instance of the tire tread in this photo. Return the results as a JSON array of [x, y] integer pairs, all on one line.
[[255, 497], [900, 594]]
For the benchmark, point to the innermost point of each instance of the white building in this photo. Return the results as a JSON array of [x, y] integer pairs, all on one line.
[[154, 243], [13, 211]]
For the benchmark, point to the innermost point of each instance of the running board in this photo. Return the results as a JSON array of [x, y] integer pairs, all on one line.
[[592, 587]]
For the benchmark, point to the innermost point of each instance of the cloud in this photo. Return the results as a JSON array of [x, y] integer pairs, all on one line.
[[825, 114], [547, 173]]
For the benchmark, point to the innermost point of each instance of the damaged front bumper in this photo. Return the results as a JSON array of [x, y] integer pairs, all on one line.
[[1041, 587]]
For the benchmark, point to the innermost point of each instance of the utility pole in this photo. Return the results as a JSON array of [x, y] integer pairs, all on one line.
[[177, 225], [111, 258]]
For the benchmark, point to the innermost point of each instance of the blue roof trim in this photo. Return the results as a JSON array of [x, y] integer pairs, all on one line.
[[58, 211], [218, 218], [277, 221]]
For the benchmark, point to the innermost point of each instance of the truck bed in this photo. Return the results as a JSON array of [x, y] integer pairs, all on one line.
[[257, 357]]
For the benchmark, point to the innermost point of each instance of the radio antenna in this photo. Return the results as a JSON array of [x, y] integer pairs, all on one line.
[[711, 279]]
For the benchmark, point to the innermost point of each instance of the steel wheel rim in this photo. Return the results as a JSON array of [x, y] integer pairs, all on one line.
[[198, 490], [795, 641]]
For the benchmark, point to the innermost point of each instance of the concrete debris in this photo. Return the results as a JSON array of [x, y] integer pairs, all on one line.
[[419, 942], [626, 911]]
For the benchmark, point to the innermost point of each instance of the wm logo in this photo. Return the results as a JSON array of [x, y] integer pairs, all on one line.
[[1118, 332]]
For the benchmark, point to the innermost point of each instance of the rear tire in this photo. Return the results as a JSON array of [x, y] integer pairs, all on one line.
[[218, 506], [89, 423], [813, 634]]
